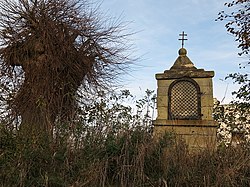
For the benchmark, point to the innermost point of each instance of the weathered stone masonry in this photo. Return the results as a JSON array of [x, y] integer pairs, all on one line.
[[185, 103]]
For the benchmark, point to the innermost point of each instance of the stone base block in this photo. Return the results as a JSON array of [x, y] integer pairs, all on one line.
[[197, 134]]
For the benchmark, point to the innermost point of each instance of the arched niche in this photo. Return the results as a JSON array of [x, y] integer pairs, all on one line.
[[184, 100]]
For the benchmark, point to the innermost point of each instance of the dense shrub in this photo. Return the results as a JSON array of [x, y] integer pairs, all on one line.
[[110, 145]]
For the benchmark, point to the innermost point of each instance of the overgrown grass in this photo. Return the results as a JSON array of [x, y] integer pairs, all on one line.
[[110, 145], [129, 158]]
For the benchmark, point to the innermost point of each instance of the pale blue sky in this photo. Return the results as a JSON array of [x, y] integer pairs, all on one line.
[[159, 23]]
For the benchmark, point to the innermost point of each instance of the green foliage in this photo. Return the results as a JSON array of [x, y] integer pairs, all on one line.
[[234, 124], [238, 24], [243, 94], [234, 118], [115, 148]]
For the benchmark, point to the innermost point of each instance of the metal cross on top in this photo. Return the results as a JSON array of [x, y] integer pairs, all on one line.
[[182, 38]]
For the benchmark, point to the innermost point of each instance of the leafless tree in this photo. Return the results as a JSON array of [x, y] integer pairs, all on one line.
[[59, 45]]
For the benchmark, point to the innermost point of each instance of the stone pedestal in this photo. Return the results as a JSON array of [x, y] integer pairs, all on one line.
[[197, 134]]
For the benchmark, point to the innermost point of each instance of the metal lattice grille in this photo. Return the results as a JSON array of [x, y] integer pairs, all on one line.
[[184, 101]]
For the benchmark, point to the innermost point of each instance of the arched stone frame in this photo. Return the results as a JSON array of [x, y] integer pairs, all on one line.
[[184, 100]]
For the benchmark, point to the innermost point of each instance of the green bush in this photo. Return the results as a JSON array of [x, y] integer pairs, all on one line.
[[102, 149]]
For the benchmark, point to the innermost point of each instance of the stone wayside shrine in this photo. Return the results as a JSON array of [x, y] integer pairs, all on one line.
[[185, 103]]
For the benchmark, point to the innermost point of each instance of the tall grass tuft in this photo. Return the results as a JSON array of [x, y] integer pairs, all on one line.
[[130, 158], [110, 146]]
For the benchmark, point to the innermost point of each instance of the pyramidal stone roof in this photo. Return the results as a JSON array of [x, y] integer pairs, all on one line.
[[183, 67], [183, 62]]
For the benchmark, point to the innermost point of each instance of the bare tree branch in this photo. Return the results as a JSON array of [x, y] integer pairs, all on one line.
[[61, 45]]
